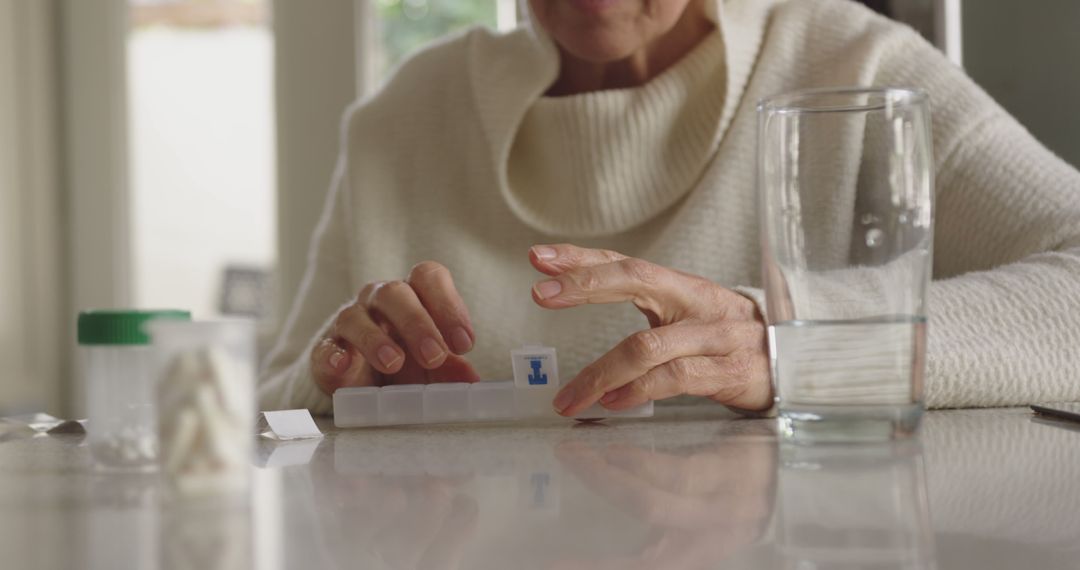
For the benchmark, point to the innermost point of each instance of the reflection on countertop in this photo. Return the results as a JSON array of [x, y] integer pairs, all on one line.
[[694, 487], [857, 506], [548, 497]]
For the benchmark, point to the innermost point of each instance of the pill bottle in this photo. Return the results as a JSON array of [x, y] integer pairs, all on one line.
[[117, 370], [206, 396]]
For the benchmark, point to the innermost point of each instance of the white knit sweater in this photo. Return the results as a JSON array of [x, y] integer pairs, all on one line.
[[441, 164]]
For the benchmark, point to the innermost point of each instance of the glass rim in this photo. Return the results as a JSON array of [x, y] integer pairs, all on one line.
[[797, 102]]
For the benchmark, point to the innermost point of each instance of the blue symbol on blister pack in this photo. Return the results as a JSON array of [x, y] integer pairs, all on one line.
[[536, 377]]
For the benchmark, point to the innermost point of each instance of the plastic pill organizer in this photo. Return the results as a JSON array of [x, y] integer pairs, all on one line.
[[528, 396]]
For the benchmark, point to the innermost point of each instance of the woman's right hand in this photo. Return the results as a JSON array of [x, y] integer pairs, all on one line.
[[398, 332]]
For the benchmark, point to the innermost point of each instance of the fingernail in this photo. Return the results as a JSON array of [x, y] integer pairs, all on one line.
[[545, 252], [548, 289], [609, 398], [335, 358], [461, 340], [430, 350], [387, 356], [563, 400]]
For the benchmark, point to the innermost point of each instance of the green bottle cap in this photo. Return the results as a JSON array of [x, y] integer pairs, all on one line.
[[120, 327]]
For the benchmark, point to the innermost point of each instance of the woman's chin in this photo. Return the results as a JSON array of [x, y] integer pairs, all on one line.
[[599, 47], [595, 7]]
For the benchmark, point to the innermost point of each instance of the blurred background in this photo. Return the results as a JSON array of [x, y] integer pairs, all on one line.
[[176, 153]]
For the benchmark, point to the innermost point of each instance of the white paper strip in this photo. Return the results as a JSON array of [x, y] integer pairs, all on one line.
[[288, 424]]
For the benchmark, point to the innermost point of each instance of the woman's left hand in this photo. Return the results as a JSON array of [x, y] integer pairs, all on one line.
[[703, 339]]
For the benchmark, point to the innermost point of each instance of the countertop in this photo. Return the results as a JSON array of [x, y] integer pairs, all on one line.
[[694, 487]]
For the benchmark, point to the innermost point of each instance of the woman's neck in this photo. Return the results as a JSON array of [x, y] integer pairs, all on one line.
[[578, 76]]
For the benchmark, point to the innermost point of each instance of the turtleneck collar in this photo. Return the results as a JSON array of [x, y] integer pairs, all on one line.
[[508, 85]]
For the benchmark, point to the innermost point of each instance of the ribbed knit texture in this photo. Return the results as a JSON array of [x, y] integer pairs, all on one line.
[[426, 173], [608, 161]]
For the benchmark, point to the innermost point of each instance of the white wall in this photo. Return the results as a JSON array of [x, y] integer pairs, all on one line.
[[202, 161]]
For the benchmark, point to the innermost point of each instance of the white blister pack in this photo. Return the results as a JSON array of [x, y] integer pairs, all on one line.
[[528, 396]]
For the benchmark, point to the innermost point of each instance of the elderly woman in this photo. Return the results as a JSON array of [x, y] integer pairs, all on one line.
[[602, 156]]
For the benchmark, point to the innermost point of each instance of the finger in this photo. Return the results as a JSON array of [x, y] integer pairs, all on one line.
[[639, 353], [738, 379], [554, 259], [455, 369], [334, 366], [355, 326], [435, 288], [669, 380], [398, 304], [650, 287], [411, 373]]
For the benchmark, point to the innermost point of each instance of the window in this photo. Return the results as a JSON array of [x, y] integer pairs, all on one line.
[[202, 152], [406, 25]]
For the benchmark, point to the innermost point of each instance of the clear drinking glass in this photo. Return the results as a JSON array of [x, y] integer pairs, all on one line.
[[846, 184]]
